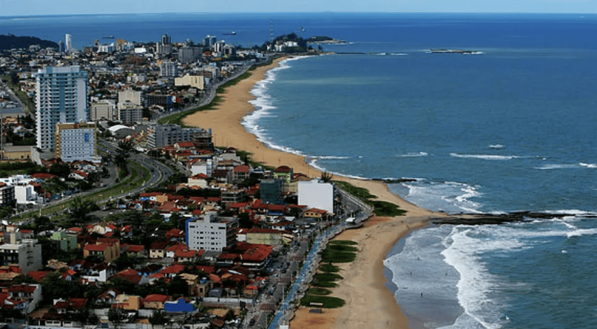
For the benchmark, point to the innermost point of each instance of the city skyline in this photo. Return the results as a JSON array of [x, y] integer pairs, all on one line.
[[69, 7]]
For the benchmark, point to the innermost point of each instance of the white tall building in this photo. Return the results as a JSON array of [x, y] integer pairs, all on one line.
[[68, 45], [61, 98], [210, 232]]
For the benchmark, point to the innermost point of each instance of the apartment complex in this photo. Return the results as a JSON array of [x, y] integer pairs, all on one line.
[[25, 253], [76, 142], [61, 96], [210, 232], [7, 195], [159, 136]]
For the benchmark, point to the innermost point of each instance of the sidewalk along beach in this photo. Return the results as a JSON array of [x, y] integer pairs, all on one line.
[[368, 301]]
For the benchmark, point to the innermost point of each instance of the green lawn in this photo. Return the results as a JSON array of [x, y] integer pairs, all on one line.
[[136, 178], [381, 208]]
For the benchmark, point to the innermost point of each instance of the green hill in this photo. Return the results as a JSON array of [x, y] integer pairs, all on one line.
[[11, 41]]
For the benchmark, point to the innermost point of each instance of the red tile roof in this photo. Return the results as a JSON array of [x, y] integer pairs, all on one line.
[[156, 298]]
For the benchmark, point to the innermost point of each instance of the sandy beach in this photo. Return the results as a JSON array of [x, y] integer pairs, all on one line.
[[368, 301]]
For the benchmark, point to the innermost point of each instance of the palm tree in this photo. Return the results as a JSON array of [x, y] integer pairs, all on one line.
[[326, 177]]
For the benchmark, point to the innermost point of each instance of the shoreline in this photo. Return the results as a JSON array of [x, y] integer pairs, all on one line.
[[366, 304]]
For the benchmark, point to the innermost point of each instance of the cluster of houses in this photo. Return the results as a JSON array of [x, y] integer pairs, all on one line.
[[219, 245]]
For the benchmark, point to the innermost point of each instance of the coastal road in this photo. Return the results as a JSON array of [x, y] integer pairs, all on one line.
[[210, 94]]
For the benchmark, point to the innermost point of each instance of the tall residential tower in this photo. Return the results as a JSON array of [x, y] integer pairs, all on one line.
[[61, 98]]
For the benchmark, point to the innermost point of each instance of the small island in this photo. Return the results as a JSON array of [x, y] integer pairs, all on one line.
[[325, 40]]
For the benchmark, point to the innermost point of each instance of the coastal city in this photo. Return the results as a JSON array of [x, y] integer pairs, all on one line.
[[117, 214]]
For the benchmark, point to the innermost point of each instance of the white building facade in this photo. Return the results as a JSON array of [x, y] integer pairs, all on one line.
[[316, 194], [76, 142], [210, 232], [61, 96]]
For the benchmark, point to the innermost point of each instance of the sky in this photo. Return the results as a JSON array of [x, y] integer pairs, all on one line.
[[67, 7]]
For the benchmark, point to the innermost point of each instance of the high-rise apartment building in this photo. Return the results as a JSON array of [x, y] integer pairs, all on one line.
[[68, 45], [61, 98]]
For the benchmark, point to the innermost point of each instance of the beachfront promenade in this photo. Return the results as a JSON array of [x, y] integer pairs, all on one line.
[[305, 276]]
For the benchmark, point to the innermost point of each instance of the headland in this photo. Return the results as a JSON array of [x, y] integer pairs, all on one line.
[[368, 301]]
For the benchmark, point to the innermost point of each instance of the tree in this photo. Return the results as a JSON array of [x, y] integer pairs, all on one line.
[[42, 223], [23, 279], [60, 170], [244, 220], [158, 318], [80, 210], [116, 316], [326, 177], [178, 286]]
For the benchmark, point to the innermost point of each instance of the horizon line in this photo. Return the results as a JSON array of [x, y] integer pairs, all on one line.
[[309, 12]]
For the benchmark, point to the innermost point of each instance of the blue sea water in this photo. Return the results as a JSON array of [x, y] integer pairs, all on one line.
[[510, 128]]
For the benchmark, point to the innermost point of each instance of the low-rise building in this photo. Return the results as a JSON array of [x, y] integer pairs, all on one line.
[[24, 253]]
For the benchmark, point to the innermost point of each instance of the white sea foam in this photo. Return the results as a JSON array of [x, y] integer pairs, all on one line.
[[312, 161], [567, 166], [450, 197], [476, 283], [264, 107], [556, 166], [484, 156], [413, 155]]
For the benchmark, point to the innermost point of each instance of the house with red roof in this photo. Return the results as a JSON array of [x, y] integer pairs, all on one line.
[[132, 276], [43, 176], [72, 305], [77, 174], [38, 275], [199, 180], [157, 249], [175, 234], [155, 301], [241, 173], [134, 250], [107, 297], [314, 213], [24, 297], [103, 250], [182, 256]]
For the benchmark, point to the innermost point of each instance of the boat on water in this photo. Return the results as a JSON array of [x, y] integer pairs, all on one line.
[[108, 37], [231, 33]]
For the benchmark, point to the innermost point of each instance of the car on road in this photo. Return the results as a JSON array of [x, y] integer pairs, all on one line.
[[252, 322]]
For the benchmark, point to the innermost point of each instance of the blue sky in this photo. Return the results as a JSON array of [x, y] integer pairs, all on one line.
[[62, 7]]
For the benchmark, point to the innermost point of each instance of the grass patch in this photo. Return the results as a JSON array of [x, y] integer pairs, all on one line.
[[344, 242], [327, 277], [333, 256], [318, 291], [328, 302], [341, 247], [381, 208], [324, 284], [329, 268]]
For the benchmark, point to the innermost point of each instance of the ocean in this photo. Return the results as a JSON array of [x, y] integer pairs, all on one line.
[[510, 127]]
